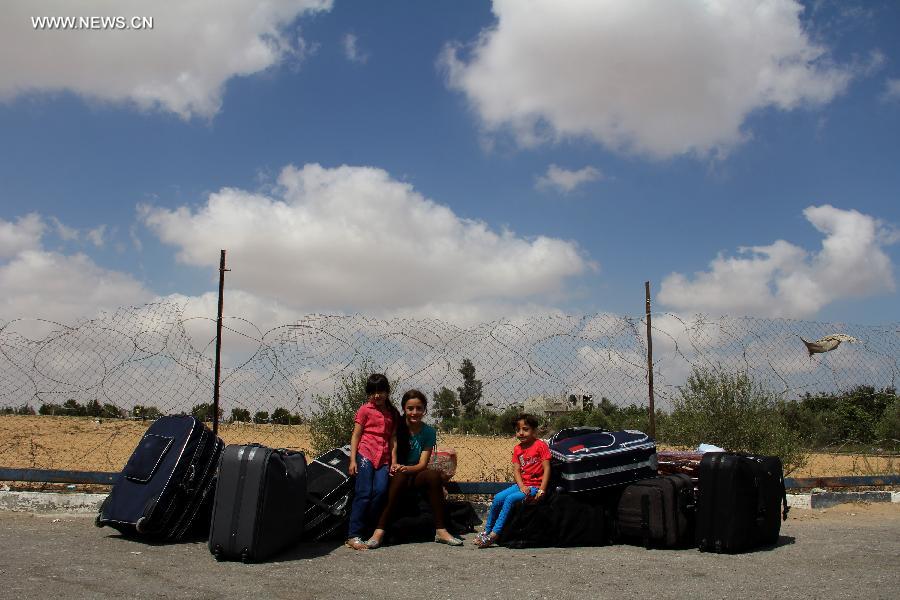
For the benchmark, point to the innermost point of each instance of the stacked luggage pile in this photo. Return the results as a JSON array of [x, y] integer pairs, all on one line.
[[252, 502], [249, 500], [611, 487]]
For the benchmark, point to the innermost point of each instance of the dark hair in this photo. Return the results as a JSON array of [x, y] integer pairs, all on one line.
[[530, 419], [377, 383], [403, 432]]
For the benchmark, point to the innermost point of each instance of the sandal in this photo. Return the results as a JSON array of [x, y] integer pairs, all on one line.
[[372, 544], [453, 541], [485, 540], [356, 543]]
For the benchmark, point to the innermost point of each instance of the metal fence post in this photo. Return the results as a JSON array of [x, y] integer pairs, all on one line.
[[650, 362], [222, 270]]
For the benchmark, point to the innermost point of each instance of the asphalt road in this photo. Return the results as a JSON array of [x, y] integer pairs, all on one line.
[[849, 551]]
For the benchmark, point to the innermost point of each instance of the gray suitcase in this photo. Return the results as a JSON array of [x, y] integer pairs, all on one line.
[[260, 502]]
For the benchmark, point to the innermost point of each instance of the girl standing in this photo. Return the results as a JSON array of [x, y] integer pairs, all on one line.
[[531, 458], [371, 448], [415, 442]]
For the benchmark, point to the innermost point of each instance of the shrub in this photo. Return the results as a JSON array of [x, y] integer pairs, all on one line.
[[204, 412], [331, 421], [146, 413], [888, 428], [240, 415], [733, 412], [51, 409], [283, 416], [261, 417]]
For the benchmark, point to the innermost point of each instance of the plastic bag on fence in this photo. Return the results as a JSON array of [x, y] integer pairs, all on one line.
[[443, 460]]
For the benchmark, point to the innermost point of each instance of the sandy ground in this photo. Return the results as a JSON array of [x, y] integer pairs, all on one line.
[[850, 551], [73, 443]]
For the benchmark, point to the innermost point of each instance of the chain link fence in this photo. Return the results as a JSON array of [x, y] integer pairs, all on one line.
[[136, 363]]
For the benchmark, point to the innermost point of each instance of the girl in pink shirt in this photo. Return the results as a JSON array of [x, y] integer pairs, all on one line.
[[371, 445]]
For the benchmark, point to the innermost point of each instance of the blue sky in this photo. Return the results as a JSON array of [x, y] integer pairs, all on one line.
[[460, 160]]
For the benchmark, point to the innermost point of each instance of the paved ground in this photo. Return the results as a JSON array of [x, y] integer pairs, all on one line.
[[848, 551]]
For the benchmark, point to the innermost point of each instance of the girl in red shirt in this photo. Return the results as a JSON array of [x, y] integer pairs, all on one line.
[[532, 474], [371, 444]]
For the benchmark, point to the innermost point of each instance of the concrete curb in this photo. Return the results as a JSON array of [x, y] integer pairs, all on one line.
[[90, 503], [50, 502], [819, 500]]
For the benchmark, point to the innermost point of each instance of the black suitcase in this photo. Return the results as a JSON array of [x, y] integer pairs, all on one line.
[[742, 502], [585, 459], [329, 491], [658, 512], [167, 483], [260, 502], [559, 520]]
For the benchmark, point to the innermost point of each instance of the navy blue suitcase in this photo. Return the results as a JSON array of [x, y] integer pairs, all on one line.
[[166, 485], [584, 458]]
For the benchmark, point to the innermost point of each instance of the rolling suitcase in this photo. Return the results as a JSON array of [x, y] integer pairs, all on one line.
[[742, 502], [658, 512], [167, 483], [329, 491], [260, 502], [585, 458]]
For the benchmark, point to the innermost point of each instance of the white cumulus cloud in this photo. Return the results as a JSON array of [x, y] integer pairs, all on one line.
[[180, 65], [23, 234], [353, 238], [649, 77], [891, 90], [565, 180], [785, 280], [352, 51]]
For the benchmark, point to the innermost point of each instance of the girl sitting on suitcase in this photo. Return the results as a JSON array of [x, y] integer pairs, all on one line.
[[415, 442], [371, 446], [531, 458]]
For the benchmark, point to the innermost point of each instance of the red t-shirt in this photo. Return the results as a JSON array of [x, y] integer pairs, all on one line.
[[377, 429], [530, 459]]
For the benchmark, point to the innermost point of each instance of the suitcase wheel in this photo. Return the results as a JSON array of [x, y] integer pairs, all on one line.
[[97, 522], [245, 557], [139, 526], [217, 552]]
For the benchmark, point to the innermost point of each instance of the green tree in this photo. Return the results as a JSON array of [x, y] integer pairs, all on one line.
[[240, 415], [111, 411], [731, 411], [72, 408], [50, 409], [331, 421], [281, 416], [446, 404], [204, 412], [93, 408], [146, 413], [261, 417], [470, 392]]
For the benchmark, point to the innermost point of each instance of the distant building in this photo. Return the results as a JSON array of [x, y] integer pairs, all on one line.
[[551, 406]]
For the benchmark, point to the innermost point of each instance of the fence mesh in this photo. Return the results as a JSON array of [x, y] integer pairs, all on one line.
[[139, 362]]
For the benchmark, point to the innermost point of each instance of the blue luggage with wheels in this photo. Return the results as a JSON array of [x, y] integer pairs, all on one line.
[[166, 486]]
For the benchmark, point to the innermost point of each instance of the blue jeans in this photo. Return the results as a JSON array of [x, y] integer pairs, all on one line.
[[500, 507], [369, 496]]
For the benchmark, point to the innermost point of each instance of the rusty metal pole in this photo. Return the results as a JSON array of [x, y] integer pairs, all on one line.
[[222, 270], [650, 362]]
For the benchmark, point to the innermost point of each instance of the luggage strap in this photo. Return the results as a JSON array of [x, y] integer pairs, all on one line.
[[337, 512], [645, 519]]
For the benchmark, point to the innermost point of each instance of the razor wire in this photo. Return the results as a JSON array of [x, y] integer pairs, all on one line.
[[140, 362]]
